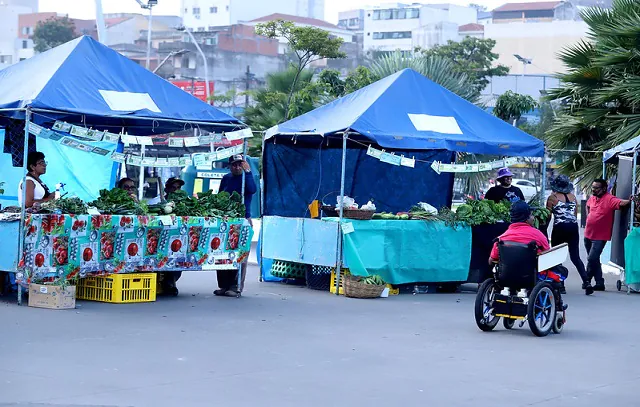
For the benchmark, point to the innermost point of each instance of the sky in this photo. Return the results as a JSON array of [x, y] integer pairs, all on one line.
[[85, 9]]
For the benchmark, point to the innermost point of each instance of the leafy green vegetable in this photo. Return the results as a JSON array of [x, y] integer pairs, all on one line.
[[118, 202], [207, 203], [64, 205]]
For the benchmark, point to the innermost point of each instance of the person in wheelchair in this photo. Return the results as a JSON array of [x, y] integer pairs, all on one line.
[[522, 230]]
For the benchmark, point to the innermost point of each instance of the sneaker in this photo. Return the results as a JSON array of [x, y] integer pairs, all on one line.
[[219, 292], [598, 287], [563, 290]]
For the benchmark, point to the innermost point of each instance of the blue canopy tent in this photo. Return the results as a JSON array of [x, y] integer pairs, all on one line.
[[404, 113], [85, 83]]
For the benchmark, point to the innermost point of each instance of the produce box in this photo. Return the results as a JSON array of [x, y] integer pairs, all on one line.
[[52, 296]]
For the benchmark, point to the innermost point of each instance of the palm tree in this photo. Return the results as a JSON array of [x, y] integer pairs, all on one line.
[[438, 69], [600, 93]]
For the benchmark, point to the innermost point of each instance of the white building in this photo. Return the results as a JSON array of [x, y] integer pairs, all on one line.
[[11, 46], [200, 15], [403, 27]]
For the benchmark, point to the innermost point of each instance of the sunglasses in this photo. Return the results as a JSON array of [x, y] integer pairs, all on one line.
[[41, 162], [128, 187]]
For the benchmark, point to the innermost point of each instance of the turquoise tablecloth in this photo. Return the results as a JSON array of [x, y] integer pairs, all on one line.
[[408, 251]]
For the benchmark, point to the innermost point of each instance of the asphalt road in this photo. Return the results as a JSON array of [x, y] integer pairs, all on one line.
[[282, 345]]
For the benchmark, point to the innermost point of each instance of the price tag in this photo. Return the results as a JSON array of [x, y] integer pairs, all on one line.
[[191, 142], [347, 228], [145, 141], [92, 211], [166, 220], [174, 162], [148, 161], [175, 142]]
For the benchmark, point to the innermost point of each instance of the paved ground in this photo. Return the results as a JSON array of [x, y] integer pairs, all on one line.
[[289, 346]]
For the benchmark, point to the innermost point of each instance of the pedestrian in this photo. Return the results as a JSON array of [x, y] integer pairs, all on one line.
[[563, 204], [232, 182], [504, 191], [601, 208]]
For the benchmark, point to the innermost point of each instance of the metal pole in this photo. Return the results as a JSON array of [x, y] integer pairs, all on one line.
[[244, 175], [604, 168], [141, 177], [206, 65], [102, 32], [261, 210], [25, 154], [543, 181], [633, 189], [345, 135], [149, 5]]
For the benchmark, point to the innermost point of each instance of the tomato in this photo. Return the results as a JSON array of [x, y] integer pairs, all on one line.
[[176, 245], [107, 252], [132, 249], [121, 222], [215, 243], [39, 260], [87, 254]]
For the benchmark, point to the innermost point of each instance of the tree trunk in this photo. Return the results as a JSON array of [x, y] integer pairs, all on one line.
[[293, 87]]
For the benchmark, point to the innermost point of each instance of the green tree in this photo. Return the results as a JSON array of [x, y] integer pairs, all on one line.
[[53, 32], [307, 43], [473, 57], [600, 91], [510, 106]]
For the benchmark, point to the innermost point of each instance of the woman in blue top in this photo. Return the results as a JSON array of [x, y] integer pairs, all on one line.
[[563, 204]]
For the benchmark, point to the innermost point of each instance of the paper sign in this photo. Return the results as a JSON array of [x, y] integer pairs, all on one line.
[[436, 166], [148, 161], [436, 124], [166, 220], [110, 137], [390, 159], [79, 131], [204, 140], [175, 142], [134, 160], [127, 139], [484, 167], [62, 126], [94, 135], [239, 134], [162, 162], [375, 153], [92, 211], [174, 162], [184, 161], [118, 157], [35, 129], [347, 228], [100, 151], [191, 142], [145, 141], [198, 159], [407, 162]]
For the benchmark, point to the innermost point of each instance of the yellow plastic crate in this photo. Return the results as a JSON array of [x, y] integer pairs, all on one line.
[[118, 288], [332, 287]]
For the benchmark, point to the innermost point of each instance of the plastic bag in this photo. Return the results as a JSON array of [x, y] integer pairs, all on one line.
[[425, 206]]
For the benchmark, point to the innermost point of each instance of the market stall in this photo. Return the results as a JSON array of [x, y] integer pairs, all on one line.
[[625, 244], [394, 143], [81, 95]]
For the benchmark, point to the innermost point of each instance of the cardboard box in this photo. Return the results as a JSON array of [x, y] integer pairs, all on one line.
[[52, 296]]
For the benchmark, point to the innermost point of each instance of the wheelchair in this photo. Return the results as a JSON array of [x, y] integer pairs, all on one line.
[[517, 292]]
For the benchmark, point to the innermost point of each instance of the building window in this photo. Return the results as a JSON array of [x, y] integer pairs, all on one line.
[[196, 10], [211, 28], [186, 10], [5, 59], [226, 8], [201, 29], [391, 35], [353, 21], [213, 10], [343, 23], [26, 30], [25, 44], [396, 14]]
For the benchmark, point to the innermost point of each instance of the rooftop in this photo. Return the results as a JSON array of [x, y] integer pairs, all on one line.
[[471, 27], [542, 5], [295, 19]]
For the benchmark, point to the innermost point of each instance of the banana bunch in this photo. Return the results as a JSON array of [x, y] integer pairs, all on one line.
[[373, 280]]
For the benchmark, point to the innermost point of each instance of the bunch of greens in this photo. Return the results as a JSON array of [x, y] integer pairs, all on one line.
[[185, 205], [475, 212], [118, 202], [222, 204], [73, 205]]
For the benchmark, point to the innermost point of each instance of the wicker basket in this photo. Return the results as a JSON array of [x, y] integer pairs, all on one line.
[[353, 288], [358, 214]]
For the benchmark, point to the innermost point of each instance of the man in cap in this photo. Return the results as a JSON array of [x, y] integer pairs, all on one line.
[[232, 182], [520, 230], [504, 191], [173, 184]]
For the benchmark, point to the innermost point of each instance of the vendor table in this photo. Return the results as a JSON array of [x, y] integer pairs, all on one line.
[[81, 245], [400, 251]]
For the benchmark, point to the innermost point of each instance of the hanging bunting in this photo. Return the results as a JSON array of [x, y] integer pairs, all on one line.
[[118, 157], [176, 142], [239, 134], [390, 159], [191, 142], [438, 167], [145, 140], [407, 162], [375, 153]]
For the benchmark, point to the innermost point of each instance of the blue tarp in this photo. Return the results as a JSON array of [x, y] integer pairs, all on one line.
[[295, 175], [408, 111], [627, 147], [91, 83]]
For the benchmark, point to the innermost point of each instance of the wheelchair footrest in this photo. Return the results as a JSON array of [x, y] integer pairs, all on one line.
[[510, 306]]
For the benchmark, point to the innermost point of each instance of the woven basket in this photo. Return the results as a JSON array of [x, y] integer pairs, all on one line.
[[358, 214], [353, 288]]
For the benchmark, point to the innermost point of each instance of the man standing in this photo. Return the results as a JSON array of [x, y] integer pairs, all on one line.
[[504, 191], [601, 208], [232, 182]]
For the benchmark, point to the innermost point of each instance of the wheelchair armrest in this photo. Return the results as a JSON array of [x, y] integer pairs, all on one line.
[[554, 248], [553, 257]]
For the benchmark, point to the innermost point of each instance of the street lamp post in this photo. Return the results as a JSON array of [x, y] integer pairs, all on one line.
[[148, 6], [206, 65]]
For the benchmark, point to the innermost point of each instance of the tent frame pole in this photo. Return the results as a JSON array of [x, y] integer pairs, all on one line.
[[543, 181], [261, 233], [25, 155], [345, 136], [633, 189], [604, 168], [244, 177]]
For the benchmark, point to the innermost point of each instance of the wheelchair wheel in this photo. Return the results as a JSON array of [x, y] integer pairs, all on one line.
[[541, 311], [485, 319], [558, 323], [508, 323]]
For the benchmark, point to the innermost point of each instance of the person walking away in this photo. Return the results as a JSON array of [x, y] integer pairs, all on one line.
[[563, 204], [601, 208], [232, 182], [504, 191]]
